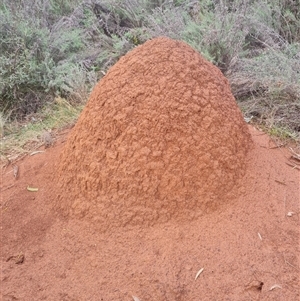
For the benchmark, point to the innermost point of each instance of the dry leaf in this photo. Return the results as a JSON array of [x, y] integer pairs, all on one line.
[[274, 286], [32, 189], [199, 272]]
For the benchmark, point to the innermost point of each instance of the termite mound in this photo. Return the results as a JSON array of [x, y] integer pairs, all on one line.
[[161, 137]]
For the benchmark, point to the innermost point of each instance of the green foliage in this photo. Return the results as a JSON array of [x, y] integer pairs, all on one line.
[[61, 8], [286, 15], [166, 22], [37, 59], [130, 12], [275, 69], [22, 51], [54, 47]]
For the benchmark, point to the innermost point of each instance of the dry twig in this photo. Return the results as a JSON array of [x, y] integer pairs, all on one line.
[[294, 166]]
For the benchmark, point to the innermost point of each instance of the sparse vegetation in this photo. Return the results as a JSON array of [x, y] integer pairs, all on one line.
[[54, 49], [26, 136]]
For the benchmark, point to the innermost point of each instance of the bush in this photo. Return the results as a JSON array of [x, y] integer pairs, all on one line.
[[41, 56], [52, 47]]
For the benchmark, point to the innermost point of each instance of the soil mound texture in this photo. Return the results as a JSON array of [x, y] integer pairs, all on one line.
[[161, 137]]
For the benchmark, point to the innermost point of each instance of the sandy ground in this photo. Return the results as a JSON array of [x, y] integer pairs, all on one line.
[[247, 249]]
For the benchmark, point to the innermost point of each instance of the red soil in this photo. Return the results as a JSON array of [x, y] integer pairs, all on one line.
[[69, 259], [161, 137], [159, 179]]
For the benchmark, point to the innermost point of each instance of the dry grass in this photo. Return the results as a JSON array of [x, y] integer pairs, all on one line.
[[278, 117], [24, 137]]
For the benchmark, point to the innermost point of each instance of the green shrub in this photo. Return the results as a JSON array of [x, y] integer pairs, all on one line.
[[36, 60], [53, 47]]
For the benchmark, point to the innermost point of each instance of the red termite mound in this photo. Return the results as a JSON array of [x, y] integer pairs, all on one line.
[[161, 137]]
